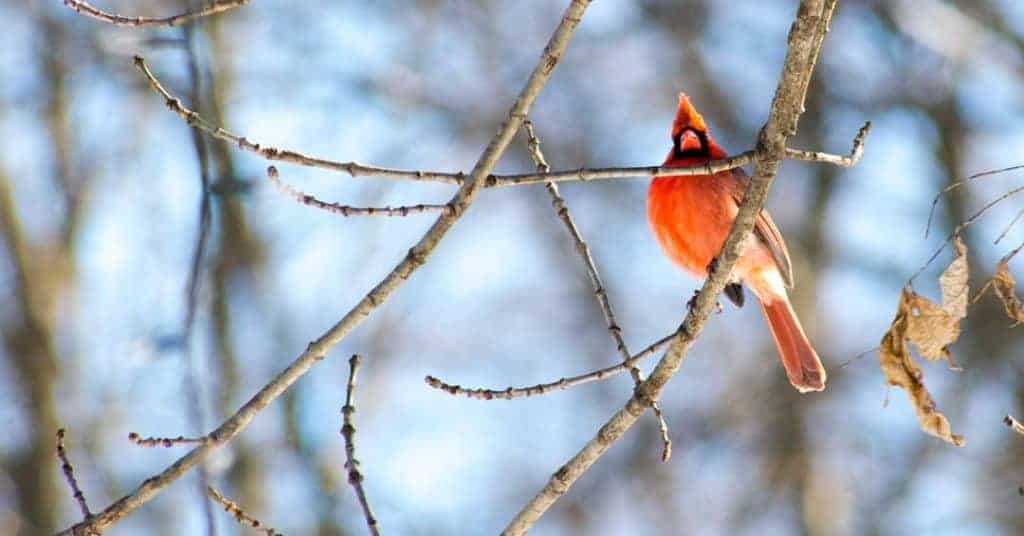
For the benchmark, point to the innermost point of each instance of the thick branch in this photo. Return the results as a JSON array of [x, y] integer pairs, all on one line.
[[416, 257], [84, 8], [805, 39]]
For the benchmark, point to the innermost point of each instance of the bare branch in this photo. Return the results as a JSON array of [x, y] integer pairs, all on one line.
[[84, 8], [238, 513], [805, 39], [958, 184], [562, 210], [356, 169], [416, 257], [842, 161], [345, 210], [69, 476], [348, 431], [961, 226], [164, 441], [544, 388], [1006, 230], [1014, 424], [271, 153]]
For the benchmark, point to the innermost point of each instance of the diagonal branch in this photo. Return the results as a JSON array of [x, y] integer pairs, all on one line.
[[805, 39], [238, 513], [284, 155], [416, 257], [562, 210], [87, 9]]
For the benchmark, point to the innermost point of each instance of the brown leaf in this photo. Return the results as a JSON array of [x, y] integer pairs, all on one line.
[[901, 370], [931, 328], [1006, 289], [953, 282]]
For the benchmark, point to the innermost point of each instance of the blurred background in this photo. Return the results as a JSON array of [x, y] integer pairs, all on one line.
[[100, 196]]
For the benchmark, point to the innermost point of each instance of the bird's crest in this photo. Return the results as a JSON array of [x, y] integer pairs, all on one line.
[[687, 116]]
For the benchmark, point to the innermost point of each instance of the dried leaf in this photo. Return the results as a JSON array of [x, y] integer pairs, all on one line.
[[1006, 289], [931, 328], [901, 370], [953, 282]]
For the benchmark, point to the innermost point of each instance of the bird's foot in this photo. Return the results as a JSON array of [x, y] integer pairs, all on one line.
[[692, 302]]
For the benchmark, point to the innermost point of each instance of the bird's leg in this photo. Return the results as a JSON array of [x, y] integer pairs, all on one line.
[[712, 266], [692, 302]]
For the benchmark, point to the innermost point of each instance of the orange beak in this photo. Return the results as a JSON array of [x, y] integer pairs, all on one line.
[[689, 141]]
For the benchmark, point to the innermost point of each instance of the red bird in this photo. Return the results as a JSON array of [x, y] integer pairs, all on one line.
[[691, 216]]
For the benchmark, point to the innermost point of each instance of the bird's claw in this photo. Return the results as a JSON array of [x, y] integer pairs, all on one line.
[[692, 302]]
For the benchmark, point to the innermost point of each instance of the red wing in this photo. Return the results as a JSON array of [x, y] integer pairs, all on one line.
[[766, 231]]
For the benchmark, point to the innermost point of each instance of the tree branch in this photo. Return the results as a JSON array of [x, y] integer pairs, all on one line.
[[238, 513], [69, 476], [544, 388], [356, 169], [166, 442], [805, 39], [416, 257], [346, 210], [562, 210], [84, 8], [348, 431]]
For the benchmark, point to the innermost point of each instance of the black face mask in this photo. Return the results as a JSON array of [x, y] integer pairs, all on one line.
[[698, 152]]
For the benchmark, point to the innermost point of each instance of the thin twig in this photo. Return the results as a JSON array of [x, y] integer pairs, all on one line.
[[84, 8], [238, 513], [345, 210], [1014, 424], [348, 431], [413, 260], [356, 169], [849, 160], [961, 226], [562, 210], [957, 184], [805, 39], [165, 441], [861, 355], [991, 281], [69, 476], [543, 388], [1006, 230]]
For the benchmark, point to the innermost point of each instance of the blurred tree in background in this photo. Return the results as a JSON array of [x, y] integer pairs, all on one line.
[[100, 196]]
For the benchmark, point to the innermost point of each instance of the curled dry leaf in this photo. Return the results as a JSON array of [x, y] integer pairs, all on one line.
[[901, 370], [1006, 289], [931, 328]]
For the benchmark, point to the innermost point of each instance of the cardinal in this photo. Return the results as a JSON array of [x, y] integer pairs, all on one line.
[[691, 216]]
